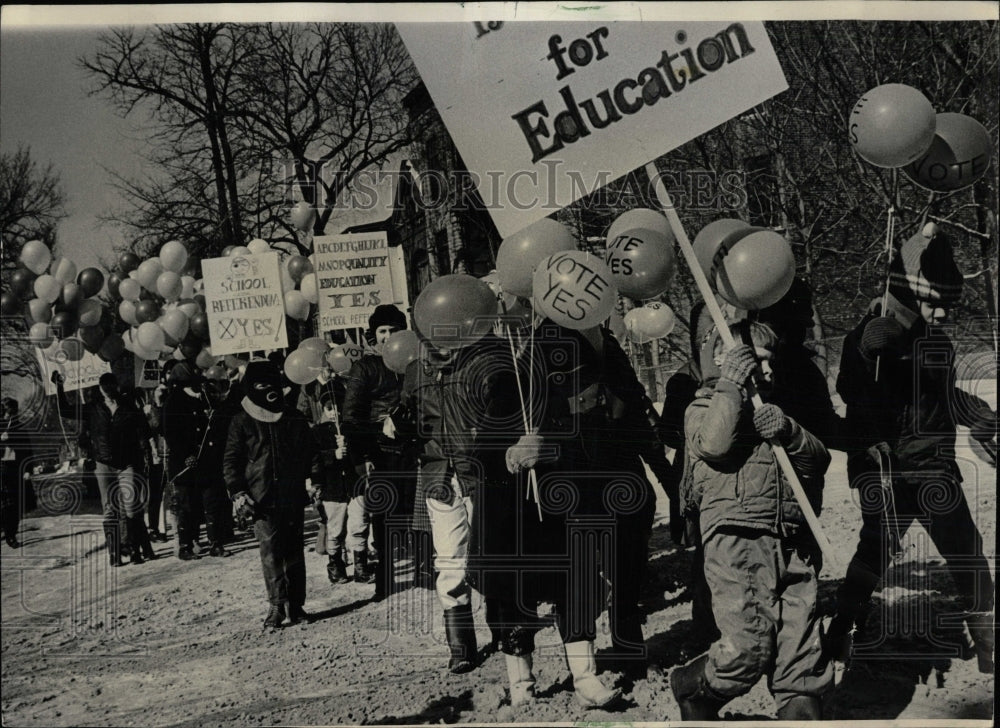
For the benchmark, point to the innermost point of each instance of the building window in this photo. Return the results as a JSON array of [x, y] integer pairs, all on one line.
[[420, 271]]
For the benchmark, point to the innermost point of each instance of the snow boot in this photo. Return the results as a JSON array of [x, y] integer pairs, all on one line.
[[112, 538], [296, 614], [275, 616], [980, 626], [800, 708], [522, 681], [361, 573], [590, 692], [461, 634], [695, 698], [336, 569]]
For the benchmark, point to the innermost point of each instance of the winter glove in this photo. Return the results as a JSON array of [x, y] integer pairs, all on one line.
[[738, 364], [190, 462], [524, 455], [244, 506], [57, 378], [985, 429], [770, 422], [880, 454]]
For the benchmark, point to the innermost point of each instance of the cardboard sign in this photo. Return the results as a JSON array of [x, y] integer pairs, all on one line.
[[545, 113], [353, 276], [147, 373], [76, 374], [244, 303]]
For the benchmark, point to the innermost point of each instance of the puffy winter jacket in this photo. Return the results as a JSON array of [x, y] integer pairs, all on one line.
[[372, 393], [271, 460], [468, 415], [735, 476]]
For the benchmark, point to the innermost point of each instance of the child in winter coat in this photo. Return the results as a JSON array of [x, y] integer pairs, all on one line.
[[761, 562]]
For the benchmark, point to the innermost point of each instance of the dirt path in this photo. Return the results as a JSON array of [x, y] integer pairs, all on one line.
[[174, 643]]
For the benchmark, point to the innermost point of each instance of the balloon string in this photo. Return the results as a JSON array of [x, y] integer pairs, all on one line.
[[889, 234], [517, 378]]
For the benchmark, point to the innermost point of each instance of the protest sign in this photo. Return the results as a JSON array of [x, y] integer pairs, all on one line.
[[76, 374], [545, 113], [244, 303], [353, 276]]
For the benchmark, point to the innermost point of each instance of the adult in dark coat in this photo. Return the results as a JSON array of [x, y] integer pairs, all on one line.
[[13, 445]]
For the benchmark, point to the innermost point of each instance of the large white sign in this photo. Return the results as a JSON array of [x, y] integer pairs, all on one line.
[[353, 276], [545, 113], [244, 303], [76, 374]]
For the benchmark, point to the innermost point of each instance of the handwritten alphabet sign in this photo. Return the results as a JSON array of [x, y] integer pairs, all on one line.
[[353, 276]]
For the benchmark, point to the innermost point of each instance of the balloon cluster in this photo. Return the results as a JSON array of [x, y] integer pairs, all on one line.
[[894, 126], [307, 361]]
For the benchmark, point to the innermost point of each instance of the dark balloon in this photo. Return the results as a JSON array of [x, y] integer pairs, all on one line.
[[72, 296], [64, 324], [91, 280], [200, 300], [92, 338], [199, 326], [10, 305], [146, 311], [128, 262], [111, 348], [22, 283], [114, 280], [192, 267]]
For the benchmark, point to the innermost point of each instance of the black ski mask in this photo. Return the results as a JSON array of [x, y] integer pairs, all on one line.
[[263, 386]]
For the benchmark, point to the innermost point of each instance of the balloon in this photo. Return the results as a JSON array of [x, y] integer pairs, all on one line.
[[192, 267], [147, 273], [22, 283], [150, 336], [199, 299], [574, 289], [146, 311], [342, 357], [520, 254], [296, 305], [39, 310], [92, 338], [454, 310], [302, 215], [216, 373], [173, 256], [10, 305], [303, 366], [756, 271], [258, 246], [656, 320], [205, 358], [128, 262], [187, 286], [72, 295], [308, 288], [144, 353], [130, 289], [169, 285], [633, 326], [298, 266], [198, 325], [958, 156], [316, 344], [239, 250], [64, 270], [40, 334], [640, 217], [70, 350], [188, 307], [91, 280], [175, 324], [287, 282], [642, 261], [36, 256], [400, 349], [47, 288], [126, 310], [709, 240], [114, 283], [64, 324], [111, 348], [234, 362], [226, 251], [892, 125], [90, 312]]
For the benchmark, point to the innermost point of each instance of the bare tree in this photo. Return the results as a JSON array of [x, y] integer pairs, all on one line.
[[31, 204]]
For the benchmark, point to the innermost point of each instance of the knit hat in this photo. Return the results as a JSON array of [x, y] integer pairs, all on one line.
[[386, 315], [925, 269], [262, 384], [182, 373]]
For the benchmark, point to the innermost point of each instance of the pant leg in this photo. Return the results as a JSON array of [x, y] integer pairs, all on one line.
[[799, 667], [215, 503], [293, 555], [742, 571], [106, 479], [155, 496], [336, 525], [186, 499], [357, 525], [13, 497], [450, 526], [268, 530], [631, 550]]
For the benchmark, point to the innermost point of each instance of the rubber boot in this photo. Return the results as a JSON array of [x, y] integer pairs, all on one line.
[[140, 536], [695, 698], [112, 538], [361, 573], [800, 708], [382, 574], [461, 634], [981, 628], [590, 692], [336, 569], [629, 647], [522, 680], [296, 614], [275, 616]]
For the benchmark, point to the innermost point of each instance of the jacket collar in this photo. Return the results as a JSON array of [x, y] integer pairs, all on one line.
[[258, 412]]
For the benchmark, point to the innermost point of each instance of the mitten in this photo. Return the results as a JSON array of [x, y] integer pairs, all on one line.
[[771, 422], [880, 453], [244, 506], [525, 454], [190, 462], [739, 364], [57, 378]]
